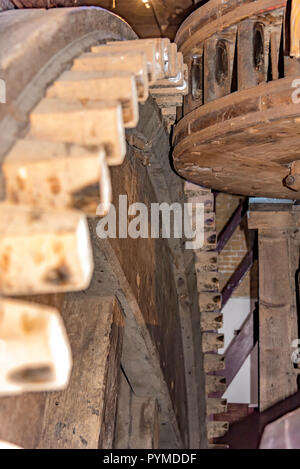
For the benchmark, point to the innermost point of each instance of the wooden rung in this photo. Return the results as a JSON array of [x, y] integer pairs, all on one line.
[[53, 175], [212, 341], [215, 384], [208, 282], [35, 352], [100, 86], [217, 429], [93, 123], [154, 64], [206, 261], [43, 251], [215, 405], [211, 321], [131, 62], [169, 101], [213, 362], [209, 302]]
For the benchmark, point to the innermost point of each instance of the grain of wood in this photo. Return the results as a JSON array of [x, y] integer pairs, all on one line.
[[35, 351], [131, 62], [100, 86], [43, 251], [91, 123]]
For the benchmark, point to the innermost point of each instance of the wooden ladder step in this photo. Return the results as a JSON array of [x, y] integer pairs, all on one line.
[[93, 123], [100, 86]]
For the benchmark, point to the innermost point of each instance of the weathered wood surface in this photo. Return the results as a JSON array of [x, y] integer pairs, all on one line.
[[83, 416], [256, 130], [55, 175], [104, 86], [43, 251], [149, 260], [215, 16], [64, 33], [137, 425], [278, 262], [31, 336]]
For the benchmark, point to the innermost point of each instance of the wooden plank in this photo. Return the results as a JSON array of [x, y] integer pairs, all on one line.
[[131, 62], [43, 251], [90, 123], [264, 220], [278, 261], [100, 86], [137, 424], [83, 416]]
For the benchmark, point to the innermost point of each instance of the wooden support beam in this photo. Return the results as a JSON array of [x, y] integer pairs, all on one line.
[[278, 328], [137, 424], [279, 244], [83, 416]]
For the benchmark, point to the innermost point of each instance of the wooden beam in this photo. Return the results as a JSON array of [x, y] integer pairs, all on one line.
[[137, 424], [83, 416], [278, 328]]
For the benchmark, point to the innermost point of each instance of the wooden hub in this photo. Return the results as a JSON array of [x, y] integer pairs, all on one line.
[[240, 127]]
